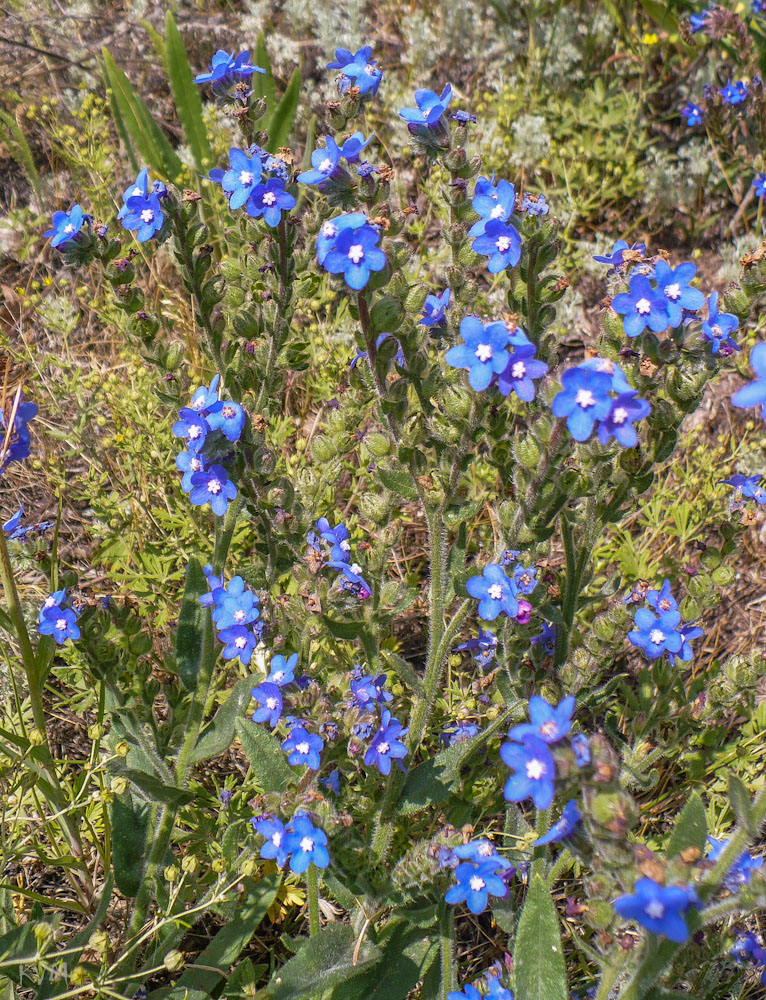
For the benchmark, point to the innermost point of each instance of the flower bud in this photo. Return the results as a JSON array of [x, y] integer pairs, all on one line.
[[79, 976], [189, 864], [457, 402], [415, 298], [118, 785], [174, 960], [218, 866], [95, 732], [37, 738], [248, 867], [527, 452], [377, 444], [122, 749], [322, 448], [43, 933], [171, 873]]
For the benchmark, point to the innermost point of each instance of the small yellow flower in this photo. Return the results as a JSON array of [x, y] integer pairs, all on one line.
[[650, 38]]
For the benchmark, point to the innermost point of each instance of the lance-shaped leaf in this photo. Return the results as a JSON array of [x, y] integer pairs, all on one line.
[[281, 122], [690, 829], [186, 95], [267, 759], [130, 824], [193, 621], [322, 961], [538, 960], [219, 734]]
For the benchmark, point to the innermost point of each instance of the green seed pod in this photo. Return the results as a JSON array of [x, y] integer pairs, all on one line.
[[457, 402], [378, 444], [527, 452], [174, 355], [415, 299]]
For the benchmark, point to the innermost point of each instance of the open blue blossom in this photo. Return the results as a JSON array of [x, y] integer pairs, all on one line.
[[13, 522], [144, 216], [355, 254], [307, 844], [458, 732], [608, 367], [367, 691], [191, 426], [386, 744], [534, 204], [564, 827], [500, 242], [546, 722], [358, 69], [656, 635], [659, 908], [685, 653], [337, 537], [748, 487], [281, 670], [269, 697], [239, 643], [238, 605], [691, 114], [495, 593], [718, 327], [615, 257], [59, 622], [518, 374], [483, 647], [733, 93], [434, 309], [329, 231], [525, 578], [303, 748], [759, 185], [224, 66], [268, 201], [273, 849], [54, 600], [227, 417], [475, 883], [581, 748], [741, 870], [754, 393], [324, 163], [66, 225], [483, 352], [534, 771], [642, 306], [212, 486], [16, 441], [240, 179], [662, 600], [352, 573], [679, 294], [584, 399], [354, 145], [492, 203], [430, 107], [138, 189], [618, 423], [332, 781]]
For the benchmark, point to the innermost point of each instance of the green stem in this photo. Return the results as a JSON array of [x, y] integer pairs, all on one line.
[[447, 948], [608, 977], [312, 888]]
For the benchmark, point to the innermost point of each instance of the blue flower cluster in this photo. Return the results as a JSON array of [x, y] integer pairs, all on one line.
[[497, 354], [337, 539], [483, 646], [226, 69], [67, 226], [326, 170], [268, 693], [58, 618], [661, 909], [659, 630], [141, 211], [235, 614], [597, 392], [659, 297], [494, 235], [300, 842], [745, 488], [495, 990], [741, 871], [15, 441], [429, 113], [748, 948], [348, 245], [357, 69], [18, 532], [529, 756], [480, 872], [257, 180], [209, 426]]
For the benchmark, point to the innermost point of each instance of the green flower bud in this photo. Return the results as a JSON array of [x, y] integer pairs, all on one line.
[[527, 452], [174, 960], [374, 507], [457, 402], [377, 444], [322, 448], [415, 299]]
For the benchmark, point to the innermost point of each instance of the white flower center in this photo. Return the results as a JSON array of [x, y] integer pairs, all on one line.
[[620, 415], [60, 624], [498, 212], [49, 602], [240, 642], [476, 883], [269, 198], [69, 228], [503, 244], [363, 694], [519, 370], [136, 192], [486, 850], [605, 365], [356, 253], [303, 748], [228, 412], [383, 747], [147, 215], [276, 838], [495, 592], [356, 568], [307, 845], [194, 431], [584, 398], [535, 769], [325, 166], [239, 616], [484, 352], [214, 486], [278, 676], [426, 114], [271, 704], [345, 545], [656, 636], [643, 306], [549, 728], [369, 69], [328, 229], [246, 178], [654, 909], [673, 291]]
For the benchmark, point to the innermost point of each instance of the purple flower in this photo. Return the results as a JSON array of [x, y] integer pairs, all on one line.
[[212, 486], [615, 257], [269, 697], [303, 748], [584, 399], [483, 351], [386, 744], [546, 722], [618, 423], [224, 66], [754, 393], [563, 827], [534, 771], [659, 908], [500, 242], [495, 592], [435, 308], [642, 306], [59, 622]]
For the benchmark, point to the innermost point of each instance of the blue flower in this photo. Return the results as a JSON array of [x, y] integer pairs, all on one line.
[[583, 400], [618, 423], [534, 204], [546, 722], [685, 654], [237, 605], [138, 189], [754, 393], [733, 93], [12, 523], [386, 744], [484, 646], [563, 827], [546, 638], [358, 69], [59, 622], [692, 114], [492, 203], [354, 145], [501, 242], [239, 643], [674, 285], [699, 22], [495, 593], [223, 66], [66, 225], [662, 600], [475, 883], [430, 107], [367, 691], [193, 427], [525, 578], [642, 306], [468, 992], [581, 748], [269, 697], [355, 254], [747, 486], [227, 417], [479, 851], [464, 118], [303, 748], [188, 462], [742, 868], [718, 327], [324, 162], [483, 352], [458, 732], [434, 309], [496, 990], [144, 216], [307, 844], [274, 831], [656, 635], [269, 200], [332, 781], [352, 574], [329, 230], [759, 185], [17, 441], [534, 771], [212, 486], [54, 600], [281, 671], [615, 257], [240, 179], [518, 374], [659, 908], [337, 537]]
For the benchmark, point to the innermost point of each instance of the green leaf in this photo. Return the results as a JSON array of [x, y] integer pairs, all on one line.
[[231, 940], [130, 824], [263, 83], [219, 734], [157, 790], [690, 829], [186, 96], [321, 962], [281, 122], [538, 960], [267, 759], [193, 619], [398, 482], [741, 804], [660, 14], [20, 151], [406, 957], [15, 946], [139, 124]]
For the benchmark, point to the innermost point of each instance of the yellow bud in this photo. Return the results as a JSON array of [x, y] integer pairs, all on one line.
[[189, 864], [174, 960], [37, 737], [248, 867], [118, 785], [218, 866], [95, 732], [171, 873], [79, 976]]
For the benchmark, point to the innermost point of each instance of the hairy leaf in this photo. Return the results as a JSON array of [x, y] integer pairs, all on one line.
[[267, 759], [538, 959], [321, 962]]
